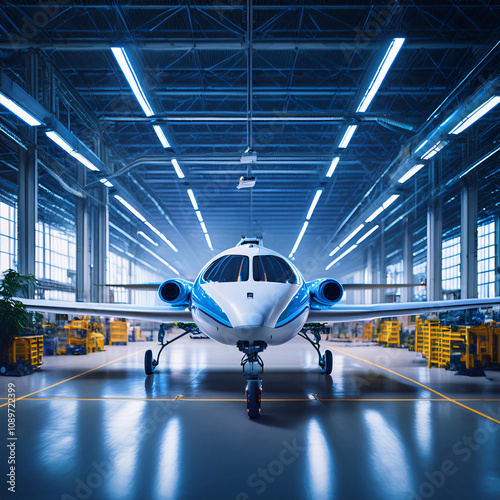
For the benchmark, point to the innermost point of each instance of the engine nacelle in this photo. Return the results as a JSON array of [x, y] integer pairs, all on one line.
[[176, 292], [325, 292]]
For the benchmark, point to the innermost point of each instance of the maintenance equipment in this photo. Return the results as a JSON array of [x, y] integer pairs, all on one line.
[[84, 337], [24, 356]]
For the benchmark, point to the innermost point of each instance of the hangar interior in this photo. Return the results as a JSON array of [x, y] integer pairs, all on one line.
[[371, 133]]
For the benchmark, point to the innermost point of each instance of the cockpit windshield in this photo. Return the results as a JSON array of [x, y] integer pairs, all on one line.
[[228, 269], [273, 269]]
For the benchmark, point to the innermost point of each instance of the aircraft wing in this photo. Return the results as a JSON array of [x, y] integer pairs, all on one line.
[[158, 313], [344, 313], [378, 286]]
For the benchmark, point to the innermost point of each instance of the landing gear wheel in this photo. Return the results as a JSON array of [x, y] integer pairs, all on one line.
[[254, 393], [149, 366], [327, 362]]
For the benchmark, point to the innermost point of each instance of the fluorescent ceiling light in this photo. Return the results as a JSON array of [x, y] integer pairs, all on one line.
[[334, 251], [161, 235], [203, 227], [369, 233], [421, 146], [484, 158], [299, 238], [478, 113], [64, 145], [413, 170], [106, 183], [333, 166], [347, 136], [382, 71], [198, 214], [84, 161], [314, 203], [59, 141], [18, 111], [375, 214], [133, 81], [178, 169], [146, 237], [209, 243], [161, 135], [351, 236], [127, 205], [193, 199], [390, 201], [349, 250], [434, 150]]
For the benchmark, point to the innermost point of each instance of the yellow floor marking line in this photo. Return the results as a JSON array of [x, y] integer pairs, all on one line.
[[455, 401], [76, 376], [282, 400]]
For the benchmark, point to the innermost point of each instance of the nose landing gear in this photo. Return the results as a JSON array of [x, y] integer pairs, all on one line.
[[325, 361], [253, 367]]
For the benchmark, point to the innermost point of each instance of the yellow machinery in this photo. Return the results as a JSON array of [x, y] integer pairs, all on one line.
[[25, 354], [368, 331], [468, 349], [390, 334], [118, 332], [84, 337]]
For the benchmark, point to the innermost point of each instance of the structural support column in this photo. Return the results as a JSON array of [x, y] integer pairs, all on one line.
[[381, 271], [28, 188], [434, 238], [468, 240], [100, 244], [27, 207], [407, 293], [369, 275], [82, 243]]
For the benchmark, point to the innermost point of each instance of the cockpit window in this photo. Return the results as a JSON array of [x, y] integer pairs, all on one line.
[[228, 269], [273, 269]]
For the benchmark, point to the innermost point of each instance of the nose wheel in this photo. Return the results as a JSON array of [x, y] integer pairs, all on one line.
[[253, 367], [254, 395]]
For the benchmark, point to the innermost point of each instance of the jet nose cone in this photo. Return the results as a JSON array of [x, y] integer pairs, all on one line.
[[253, 319]]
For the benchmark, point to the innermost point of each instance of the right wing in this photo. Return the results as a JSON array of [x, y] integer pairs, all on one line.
[[160, 314], [346, 313]]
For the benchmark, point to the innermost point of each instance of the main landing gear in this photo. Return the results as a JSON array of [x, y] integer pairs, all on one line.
[[326, 360], [253, 367], [150, 363]]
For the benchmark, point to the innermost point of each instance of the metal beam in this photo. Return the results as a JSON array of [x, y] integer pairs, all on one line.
[[82, 242], [231, 45]]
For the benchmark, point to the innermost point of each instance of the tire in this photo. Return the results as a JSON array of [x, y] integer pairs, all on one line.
[[253, 398], [328, 366], [149, 368]]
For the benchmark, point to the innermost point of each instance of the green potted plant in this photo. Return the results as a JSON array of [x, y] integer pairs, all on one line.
[[15, 320]]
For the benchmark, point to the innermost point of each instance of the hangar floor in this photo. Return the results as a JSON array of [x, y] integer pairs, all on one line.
[[95, 427]]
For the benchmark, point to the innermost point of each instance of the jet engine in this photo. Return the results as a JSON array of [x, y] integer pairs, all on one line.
[[176, 292], [325, 292]]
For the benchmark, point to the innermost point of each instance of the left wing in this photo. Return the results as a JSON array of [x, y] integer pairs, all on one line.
[[345, 313], [158, 313]]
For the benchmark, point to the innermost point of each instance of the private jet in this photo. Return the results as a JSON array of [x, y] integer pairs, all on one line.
[[253, 298]]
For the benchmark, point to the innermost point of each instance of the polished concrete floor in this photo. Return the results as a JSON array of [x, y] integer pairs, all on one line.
[[95, 427]]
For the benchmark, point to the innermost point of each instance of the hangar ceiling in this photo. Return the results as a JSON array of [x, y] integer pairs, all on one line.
[[282, 78]]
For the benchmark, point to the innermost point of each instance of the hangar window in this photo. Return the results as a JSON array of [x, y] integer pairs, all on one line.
[[228, 269], [451, 264], [8, 236], [486, 260], [273, 269]]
